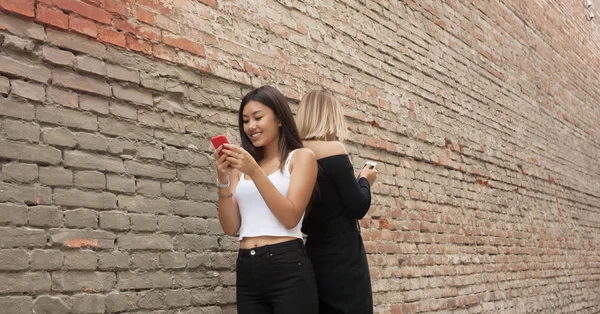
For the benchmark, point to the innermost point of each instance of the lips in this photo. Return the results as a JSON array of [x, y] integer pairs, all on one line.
[[255, 136]]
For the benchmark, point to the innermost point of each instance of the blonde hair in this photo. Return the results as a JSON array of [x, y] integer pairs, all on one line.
[[320, 117]]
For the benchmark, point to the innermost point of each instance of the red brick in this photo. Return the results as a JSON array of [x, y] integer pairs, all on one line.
[[83, 26], [155, 5], [185, 44], [165, 53], [143, 15], [21, 7], [149, 33], [116, 6], [84, 9], [124, 26], [52, 16], [138, 45], [112, 36], [210, 3]]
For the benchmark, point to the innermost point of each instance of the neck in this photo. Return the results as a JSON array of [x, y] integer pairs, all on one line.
[[271, 150]]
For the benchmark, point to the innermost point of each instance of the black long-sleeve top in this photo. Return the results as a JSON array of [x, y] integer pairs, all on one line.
[[341, 198]]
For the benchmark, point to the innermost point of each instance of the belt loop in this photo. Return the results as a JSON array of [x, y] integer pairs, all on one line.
[[268, 249]]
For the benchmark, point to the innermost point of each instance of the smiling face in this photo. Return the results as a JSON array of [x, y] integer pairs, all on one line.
[[260, 124]]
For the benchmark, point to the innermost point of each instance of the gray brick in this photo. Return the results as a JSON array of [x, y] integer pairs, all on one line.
[[27, 152], [195, 225], [13, 214], [150, 118], [116, 260], [114, 221], [178, 298], [83, 83], [45, 216], [94, 104], [143, 222], [16, 108], [173, 189], [25, 194], [92, 142], [145, 242], [148, 187], [55, 95], [75, 281], [188, 280], [153, 81], [58, 56], [81, 218], [28, 90], [51, 305], [194, 242], [145, 261], [152, 299], [19, 172], [175, 155], [121, 302], [214, 227], [178, 140], [24, 283], [4, 86], [80, 260], [123, 74], [170, 224], [83, 238], [19, 130], [24, 69], [79, 159], [46, 260], [17, 259], [119, 146], [91, 65], [77, 198], [189, 174], [90, 179], [156, 280], [150, 152], [124, 111], [61, 137], [75, 42], [125, 129], [189, 208], [66, 117], [147, 170], [173, 260], [16, 304], [88, 304], [199, 160], [137, 204], [201, 193], [120, 183], [133, 95], [56, 176], [18, 43]]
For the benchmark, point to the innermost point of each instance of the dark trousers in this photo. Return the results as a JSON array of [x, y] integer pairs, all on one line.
[[276, 279]]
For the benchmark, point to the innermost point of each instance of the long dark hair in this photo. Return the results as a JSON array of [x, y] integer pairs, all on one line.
[[289, 138]]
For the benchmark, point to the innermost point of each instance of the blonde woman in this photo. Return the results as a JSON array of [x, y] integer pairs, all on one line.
[[334, 244]]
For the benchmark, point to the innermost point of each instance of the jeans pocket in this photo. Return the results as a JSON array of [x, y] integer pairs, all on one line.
[[292, 258]]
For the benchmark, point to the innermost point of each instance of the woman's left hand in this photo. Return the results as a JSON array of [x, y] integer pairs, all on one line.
[[240, 159]]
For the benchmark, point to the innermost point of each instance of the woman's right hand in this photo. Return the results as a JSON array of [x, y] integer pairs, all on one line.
[[223, 166], [369, 174]]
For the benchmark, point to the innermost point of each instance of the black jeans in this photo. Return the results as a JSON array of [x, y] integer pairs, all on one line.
[[276, 279]]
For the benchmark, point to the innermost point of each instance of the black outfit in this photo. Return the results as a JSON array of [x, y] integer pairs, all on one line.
[[334, 244], [276, 279]]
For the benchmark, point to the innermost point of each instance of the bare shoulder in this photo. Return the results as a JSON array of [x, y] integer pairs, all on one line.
[[302, 156]]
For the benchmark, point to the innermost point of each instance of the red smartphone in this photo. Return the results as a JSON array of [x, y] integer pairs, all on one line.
[[218, 141]]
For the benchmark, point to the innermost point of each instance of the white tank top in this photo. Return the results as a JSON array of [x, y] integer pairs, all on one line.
[[257, 218]]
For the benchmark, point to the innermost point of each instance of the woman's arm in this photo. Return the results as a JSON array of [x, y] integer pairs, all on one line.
[[303, 176], [228, 210]]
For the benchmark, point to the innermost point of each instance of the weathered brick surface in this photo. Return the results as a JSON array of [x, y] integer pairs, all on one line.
[[483, 117]]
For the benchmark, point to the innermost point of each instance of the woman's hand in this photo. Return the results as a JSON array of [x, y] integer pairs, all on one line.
[[369, 174], [223, 166], [240, 159]]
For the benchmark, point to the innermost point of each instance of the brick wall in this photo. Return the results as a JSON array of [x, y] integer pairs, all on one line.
[[485, 117]]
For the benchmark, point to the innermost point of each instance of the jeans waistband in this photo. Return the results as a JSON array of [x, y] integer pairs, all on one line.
[[271, 249]]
